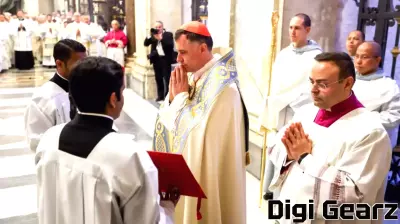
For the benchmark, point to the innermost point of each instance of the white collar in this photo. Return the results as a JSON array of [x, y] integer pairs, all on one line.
[[207, 66], [95, 114], [62, 77]]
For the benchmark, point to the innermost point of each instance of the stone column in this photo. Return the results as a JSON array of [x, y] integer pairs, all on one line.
[[130, 26], [59, 5], [77, 6], [141, 77], [130, 29], [147, 12], [46, 6], [31, 7]]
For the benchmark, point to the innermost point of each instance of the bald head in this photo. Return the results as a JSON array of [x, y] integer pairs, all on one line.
[[373, 47], [368, 57]]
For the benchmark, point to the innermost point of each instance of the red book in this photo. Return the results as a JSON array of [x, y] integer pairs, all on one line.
[[174, 172]]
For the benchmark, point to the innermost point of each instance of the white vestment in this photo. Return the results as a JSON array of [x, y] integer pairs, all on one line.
[[349, 162], [215, 146], [22, 38], [97, 48], [289, 91], [84, 37], [10, 43], [49, 106], [115, 184], [116, 54], [382, 96], [289, 85], [63, 34], [49, 41], [37, 41], [5, 36]]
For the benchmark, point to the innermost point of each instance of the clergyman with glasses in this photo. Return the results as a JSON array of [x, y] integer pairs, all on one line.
[[288, 92], [335, 149], [377, 92]]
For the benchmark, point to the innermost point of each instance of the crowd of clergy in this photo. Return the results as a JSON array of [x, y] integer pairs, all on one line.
[[331, 117], [27, 40]]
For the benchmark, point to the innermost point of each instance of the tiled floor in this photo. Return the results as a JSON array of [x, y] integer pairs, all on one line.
[[17, 170], [17, 178]]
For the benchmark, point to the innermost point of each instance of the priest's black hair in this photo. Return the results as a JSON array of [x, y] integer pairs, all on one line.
[[306, 19], [64, 48], [195, 37], [342, 60], [92, 81]]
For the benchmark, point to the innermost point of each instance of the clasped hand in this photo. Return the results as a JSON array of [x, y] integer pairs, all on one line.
[[172, 195], [296, 141], [178, 82]]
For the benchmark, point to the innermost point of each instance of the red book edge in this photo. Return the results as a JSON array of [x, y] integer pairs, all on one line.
[[198, 207]]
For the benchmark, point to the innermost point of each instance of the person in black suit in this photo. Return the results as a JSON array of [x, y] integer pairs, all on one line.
[[161, 56]]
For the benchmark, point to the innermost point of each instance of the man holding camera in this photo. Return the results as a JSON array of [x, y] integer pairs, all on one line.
[[161, 56]]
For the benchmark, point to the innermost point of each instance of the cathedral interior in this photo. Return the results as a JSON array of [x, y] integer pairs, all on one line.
[[332, 21]]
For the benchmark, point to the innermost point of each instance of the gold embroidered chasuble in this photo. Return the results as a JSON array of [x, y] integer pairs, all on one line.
[[210, 130]]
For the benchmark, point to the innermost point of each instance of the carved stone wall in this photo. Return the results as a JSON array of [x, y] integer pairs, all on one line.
[[323, 14]]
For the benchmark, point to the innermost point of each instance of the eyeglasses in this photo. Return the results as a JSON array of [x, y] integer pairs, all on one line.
[[364, 57], [321, 85]]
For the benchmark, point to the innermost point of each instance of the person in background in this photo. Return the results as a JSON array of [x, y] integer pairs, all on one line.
[[50, 104], [78, 30], [355, 39], [115, 42], [289, 84], [5, 36], [22, 32], [95, 33], [95, 179], [161, 56], [49, 35], [205, 119], [375, 91], [335, 148]]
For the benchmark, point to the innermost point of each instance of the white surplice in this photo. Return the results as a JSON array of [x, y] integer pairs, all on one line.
[[49, 106], [5, 36], [382, 96], [63, 33], [10, 42], [22, 38], [349, 162], [289, 85], [84, 37], [49, 34], [37, 42], [114, 184], [116, 54], [289, 91], [96, 32]]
